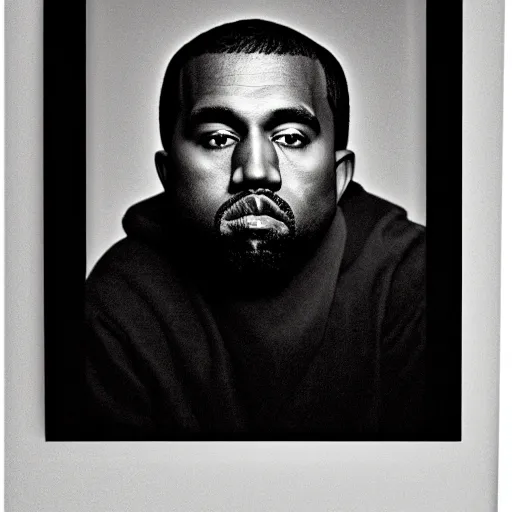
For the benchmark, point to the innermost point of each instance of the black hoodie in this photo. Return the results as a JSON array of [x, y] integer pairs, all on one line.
[[340, 353]]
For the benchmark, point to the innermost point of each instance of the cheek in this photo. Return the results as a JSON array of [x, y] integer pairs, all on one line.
[[310, 185], [197, 168], [200, 182]]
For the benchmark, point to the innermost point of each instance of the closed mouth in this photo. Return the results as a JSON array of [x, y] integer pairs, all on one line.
[[255, 214], [255, 205], [255, 224]]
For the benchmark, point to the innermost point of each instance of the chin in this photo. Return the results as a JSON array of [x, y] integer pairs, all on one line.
[[262, 262], [263, 266]]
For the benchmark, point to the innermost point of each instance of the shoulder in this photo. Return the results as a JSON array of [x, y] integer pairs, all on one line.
[[379, 230], [384, 263], [124, 261], [130, 277]]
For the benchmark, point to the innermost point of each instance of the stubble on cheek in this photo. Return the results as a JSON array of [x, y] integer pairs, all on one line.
[[199, 187], [316, 207]]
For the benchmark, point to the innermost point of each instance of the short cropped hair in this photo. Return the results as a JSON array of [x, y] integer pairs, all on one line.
[[255, 36]]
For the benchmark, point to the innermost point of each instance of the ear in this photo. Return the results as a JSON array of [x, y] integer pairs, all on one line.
[[163, 167], [345, 162]]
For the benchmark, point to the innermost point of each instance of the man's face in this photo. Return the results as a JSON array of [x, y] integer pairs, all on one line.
[[252, 156]]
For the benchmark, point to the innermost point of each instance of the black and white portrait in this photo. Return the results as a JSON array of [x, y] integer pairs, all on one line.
[[256, 224]]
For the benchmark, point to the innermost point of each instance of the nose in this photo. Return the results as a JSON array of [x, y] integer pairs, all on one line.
[[255, 164]]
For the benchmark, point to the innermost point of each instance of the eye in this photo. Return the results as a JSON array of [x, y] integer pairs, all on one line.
[[218, 140], [291, 138]]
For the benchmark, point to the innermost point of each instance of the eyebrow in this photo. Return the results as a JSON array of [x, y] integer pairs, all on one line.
[[215, 114], [224, 115], [298, 115]]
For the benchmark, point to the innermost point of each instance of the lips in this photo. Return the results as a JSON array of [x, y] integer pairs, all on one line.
[[255, 213], [255, 204]]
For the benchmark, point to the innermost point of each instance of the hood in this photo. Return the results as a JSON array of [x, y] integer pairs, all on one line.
[[147, 220]]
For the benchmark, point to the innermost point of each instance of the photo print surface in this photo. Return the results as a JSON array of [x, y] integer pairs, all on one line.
[[256, 219]]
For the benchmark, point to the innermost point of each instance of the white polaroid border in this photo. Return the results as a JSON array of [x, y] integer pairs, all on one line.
[[218, 476], [505, 391]]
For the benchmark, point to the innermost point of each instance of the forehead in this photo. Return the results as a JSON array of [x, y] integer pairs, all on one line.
[[256, 79]]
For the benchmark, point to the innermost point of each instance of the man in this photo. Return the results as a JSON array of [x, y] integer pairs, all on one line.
[[263, 292]]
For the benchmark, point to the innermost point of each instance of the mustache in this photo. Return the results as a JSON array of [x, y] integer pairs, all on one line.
[[241, 204]]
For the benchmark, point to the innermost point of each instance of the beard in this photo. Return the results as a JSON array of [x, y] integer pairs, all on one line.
[[263, 251]]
